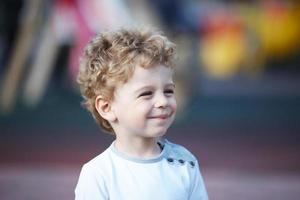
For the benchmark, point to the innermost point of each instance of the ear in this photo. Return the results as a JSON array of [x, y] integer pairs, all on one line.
[[103, 107]]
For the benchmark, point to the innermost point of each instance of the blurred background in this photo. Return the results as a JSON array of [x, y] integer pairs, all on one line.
[[238, 82]]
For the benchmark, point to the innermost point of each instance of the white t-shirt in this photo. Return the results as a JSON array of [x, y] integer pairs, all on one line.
[[173, 175]]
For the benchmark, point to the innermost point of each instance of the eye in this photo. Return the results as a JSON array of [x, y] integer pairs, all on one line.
[[169, 91], [145, 94]]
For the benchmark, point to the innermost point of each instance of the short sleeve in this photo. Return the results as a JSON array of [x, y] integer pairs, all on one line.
[[91, 185], [198, 190]]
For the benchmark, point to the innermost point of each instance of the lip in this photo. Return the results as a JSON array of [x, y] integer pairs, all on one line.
[[160, 116]]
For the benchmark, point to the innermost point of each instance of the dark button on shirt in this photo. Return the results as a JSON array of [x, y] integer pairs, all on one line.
[[192, 163], [181, 161]]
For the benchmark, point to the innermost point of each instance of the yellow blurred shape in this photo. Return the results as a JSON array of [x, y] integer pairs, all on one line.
[[279, 32], [221, 54]]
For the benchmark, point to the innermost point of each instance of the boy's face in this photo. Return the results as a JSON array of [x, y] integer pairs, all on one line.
[[145, 106]]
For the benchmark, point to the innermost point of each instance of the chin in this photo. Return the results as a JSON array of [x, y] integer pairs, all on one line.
[[158, 133]]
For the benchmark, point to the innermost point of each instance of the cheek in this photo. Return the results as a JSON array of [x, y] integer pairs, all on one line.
[[143, 107], [139, 112], [173, 105], [139, 115]]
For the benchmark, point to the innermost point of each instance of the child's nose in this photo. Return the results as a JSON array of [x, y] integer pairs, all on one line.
[[161, 101]]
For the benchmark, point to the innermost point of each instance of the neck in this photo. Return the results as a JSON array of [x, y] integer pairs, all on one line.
[[138, 147]]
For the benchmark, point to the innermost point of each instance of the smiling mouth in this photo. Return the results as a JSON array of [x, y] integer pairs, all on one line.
[[160, 116]]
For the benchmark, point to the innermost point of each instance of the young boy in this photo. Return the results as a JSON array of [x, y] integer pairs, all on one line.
[[125, 78]]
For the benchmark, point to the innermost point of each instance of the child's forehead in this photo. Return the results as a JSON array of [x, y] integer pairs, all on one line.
[[143, 77], [155, 73]]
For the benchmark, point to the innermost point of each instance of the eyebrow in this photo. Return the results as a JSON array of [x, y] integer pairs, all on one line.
[[171, 84]]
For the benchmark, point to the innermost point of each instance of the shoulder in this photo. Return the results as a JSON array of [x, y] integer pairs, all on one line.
[[92, 179], [94, 171], [178, 152], [97, 163]]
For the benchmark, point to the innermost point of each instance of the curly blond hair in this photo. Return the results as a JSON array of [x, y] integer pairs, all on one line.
[[110, 59]]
